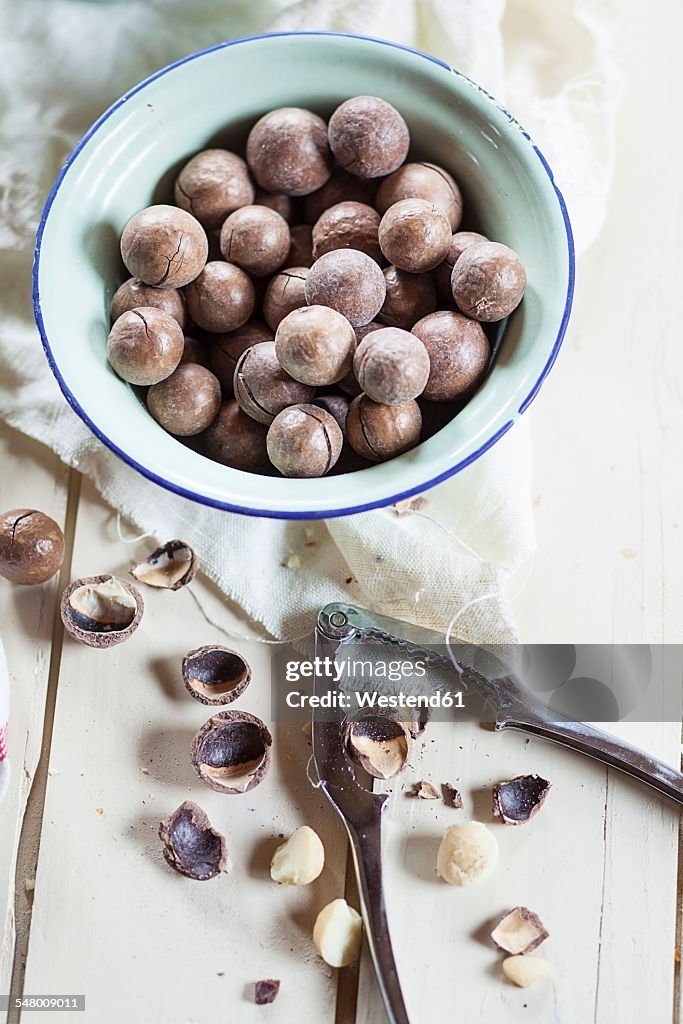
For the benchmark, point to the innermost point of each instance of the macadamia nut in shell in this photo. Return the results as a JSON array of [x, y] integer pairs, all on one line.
[[256, 239], [381, 432], [368, 136], [304, 441], [145, 346], [133, 294], [315, 345], [350, 282], [222, 298], [288, 152], [263, 388], [391, 366], [422, 181], [488, 281], [212, 185], [31, 546], [164, 245], [347, 226], [185, 403], [415, 235], [459, 354]]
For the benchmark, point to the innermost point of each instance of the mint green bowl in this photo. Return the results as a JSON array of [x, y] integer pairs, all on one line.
[[124, 162]]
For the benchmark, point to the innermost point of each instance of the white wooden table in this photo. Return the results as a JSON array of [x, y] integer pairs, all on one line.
[[100, 740]]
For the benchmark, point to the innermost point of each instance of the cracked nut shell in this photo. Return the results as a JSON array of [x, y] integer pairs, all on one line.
[[164, 245], [101, 611], [304, 441], [263, 388], [350, 282], [133, 294], [391, 366], [488, 281], [381, 432], [287, 151], [368, 136], [191, 845], [212, 185], [145, 346], [380, 744], [31, 546], [458, 351], [231, 753], [256, 239], [215, 674], [520, 931], [169, 567], [515, 802]]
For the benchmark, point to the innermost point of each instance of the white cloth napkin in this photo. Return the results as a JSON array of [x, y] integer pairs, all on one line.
[[63, 61]]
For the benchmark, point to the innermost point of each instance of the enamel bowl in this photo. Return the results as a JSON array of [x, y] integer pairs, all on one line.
[[127, 161]]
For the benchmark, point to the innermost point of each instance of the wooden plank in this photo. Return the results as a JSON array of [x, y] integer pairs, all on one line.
[[184, 951], [30, 477]]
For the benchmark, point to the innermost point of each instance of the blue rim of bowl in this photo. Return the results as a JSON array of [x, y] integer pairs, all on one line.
[[278, 514]]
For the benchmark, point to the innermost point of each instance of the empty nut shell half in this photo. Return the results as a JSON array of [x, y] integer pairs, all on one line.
[[101, 611], [231, 753], [215, 675], [191, 845], [380, 744], [517, 801], [170, 567], [520, 931]]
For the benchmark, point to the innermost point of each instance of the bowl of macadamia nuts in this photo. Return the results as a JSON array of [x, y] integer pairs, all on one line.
[[303, 275]]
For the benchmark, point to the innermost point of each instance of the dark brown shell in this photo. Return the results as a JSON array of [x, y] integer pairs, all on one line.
[[231, 753], [101, 611], [215, 674], [266, 991], [170, 567], [191, 846], [518, 800]]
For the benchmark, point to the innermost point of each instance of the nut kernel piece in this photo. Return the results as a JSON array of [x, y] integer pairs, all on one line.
[[101, 611], [517, 801], [31, 546], [520, 931], [170, 567], [191, 845], [467, 853], [337, 933], [525, 970], [300, 860]]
